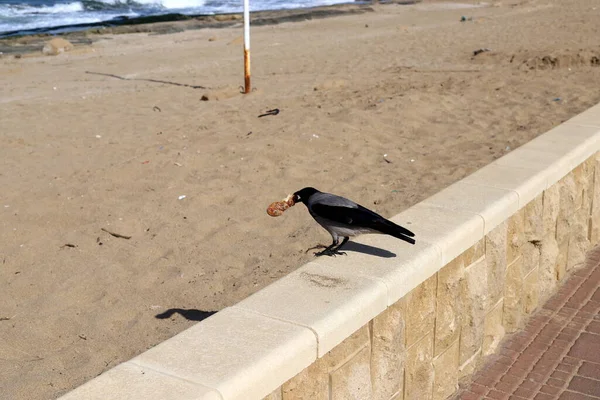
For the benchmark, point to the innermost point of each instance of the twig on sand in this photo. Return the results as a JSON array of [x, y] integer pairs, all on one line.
[[68, 245], [147, 80], [117, 235]]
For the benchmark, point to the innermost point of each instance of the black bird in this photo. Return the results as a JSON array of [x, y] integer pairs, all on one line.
[[343, 218]]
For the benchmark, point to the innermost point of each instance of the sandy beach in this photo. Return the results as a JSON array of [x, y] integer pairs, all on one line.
[[386, 107]]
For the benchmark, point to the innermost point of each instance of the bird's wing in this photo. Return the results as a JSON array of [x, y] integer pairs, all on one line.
[[359, 217], [354, 216]]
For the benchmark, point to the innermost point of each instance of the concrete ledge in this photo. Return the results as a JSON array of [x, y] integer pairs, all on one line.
[[395, 321]]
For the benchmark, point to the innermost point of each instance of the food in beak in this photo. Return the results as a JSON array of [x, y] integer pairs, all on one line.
[[277, 208]]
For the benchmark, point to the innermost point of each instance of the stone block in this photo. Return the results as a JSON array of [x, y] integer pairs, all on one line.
[[533, 219], [515, 236], [549, 259], [474, 253], [420, 310], [387, 352], [275, 395], [331, 301], [567, 207], [513, 296], [419, 374], [448, 316], [469, 367], [493, 329], [445, 368], [473, 305], [551, 204], [352, 381], [581, 184], [579, 243], [495, 255], [561, 261], [531, 291], [588, 194], [131, 381], [255, 353], [594, 234], [313, 381], [531, 255]]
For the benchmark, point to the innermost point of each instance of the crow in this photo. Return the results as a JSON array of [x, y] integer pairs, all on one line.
[[343, 218]]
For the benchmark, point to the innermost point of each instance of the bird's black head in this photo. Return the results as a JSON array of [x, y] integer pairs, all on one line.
[[303, 195]]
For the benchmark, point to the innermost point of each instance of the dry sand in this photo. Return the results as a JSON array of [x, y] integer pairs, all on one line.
[[81, 152]]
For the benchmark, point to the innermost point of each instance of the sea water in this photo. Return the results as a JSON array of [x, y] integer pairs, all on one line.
[[28, 16]]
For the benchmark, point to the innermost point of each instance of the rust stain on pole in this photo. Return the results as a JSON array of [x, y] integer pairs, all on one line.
[[247, 86]]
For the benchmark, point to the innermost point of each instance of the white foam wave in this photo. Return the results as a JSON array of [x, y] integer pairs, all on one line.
[[170, 4], [19, 10]]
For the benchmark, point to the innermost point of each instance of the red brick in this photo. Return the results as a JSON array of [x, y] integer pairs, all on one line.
[[518, 372], [550, 357], [536, 377], [593, 327], [478, 389], [504, 360], [570, 331], [570, 369], [556, 382], [511, 354], [561, 375], [555, 351], [575, 396], [566, 337], [591, 307], [585, 385], [567, 312], [469, 396], [583, 316], [486, 380], [526, 393], [543, 396], [518, 344], [529, 385], [553, 304], [506, 387], [543, 368], [562, 344], [590, 370], [550, 389], [536, 324], [587, 347], [571, 360], [497, 395], [495, 369]]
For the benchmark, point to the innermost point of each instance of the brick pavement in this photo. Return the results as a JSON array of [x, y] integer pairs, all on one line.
[[556, 356]]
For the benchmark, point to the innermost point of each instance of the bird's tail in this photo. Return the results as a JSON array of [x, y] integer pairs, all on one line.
[[390, 228]]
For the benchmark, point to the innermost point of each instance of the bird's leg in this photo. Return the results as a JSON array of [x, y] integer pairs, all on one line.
[[333, 249]]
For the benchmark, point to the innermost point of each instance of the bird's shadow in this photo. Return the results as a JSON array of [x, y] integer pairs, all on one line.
[[366, 249], [190, 315]]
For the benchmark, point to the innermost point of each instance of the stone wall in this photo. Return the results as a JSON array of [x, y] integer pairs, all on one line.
[[390, 320], [440, 332]]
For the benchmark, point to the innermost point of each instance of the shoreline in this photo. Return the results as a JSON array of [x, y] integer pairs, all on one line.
[[13, 43]]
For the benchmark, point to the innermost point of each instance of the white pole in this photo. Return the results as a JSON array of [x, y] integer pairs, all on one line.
[[247, 87]]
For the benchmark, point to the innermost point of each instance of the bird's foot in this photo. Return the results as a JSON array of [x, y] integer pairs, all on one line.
[[330, 253]]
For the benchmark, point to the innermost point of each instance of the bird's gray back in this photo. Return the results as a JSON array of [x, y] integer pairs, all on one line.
[[330, 200]]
